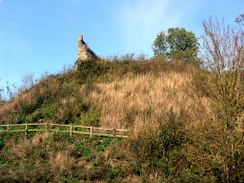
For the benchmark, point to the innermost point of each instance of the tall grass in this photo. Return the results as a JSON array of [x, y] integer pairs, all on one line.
[[141, 101]]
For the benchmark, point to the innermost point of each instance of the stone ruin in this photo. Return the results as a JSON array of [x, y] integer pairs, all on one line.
[[84, 52]]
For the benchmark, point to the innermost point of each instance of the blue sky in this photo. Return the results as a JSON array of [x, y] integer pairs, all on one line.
[[41, 35]]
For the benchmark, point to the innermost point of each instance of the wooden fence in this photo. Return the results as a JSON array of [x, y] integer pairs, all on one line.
[[71, 129]]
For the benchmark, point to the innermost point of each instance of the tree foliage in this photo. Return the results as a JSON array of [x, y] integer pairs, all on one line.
[[177, 43]]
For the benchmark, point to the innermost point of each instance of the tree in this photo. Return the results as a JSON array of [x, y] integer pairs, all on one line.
[[223, 48], [176, 44]]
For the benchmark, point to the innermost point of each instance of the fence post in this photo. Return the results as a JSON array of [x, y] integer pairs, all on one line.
[[46, 127], [8, 127], [26, 130], [114, 132], [91, 131], [70, 129]]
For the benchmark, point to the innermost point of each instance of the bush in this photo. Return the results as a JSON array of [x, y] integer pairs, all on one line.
[[89, 70], [162, 150]]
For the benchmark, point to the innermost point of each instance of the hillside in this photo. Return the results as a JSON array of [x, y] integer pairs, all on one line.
[[179, 130]]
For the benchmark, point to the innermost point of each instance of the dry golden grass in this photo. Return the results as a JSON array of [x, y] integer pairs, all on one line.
[[19, 150], [10, 109], [134, 101], [62, 162], [141, 101], [39, 138]]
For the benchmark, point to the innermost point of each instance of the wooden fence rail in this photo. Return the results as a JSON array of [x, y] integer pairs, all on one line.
[[70, 128]]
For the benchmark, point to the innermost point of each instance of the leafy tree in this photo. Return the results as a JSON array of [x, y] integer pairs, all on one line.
[[177, 43]]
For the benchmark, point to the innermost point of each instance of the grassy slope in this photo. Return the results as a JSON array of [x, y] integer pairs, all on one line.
[[188, 143]]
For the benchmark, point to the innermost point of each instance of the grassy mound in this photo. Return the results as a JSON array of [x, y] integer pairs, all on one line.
[[183, 129]]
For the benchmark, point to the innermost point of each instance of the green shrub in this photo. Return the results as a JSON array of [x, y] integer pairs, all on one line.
[[89, 70], [163, 150]]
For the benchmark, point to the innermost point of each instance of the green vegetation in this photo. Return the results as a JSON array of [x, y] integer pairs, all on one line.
[[186, 123], [177, 44]]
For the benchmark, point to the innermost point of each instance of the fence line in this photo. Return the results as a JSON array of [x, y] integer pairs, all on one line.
[[70, 128]]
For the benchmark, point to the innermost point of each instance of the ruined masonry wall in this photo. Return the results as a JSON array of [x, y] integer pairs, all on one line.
[[84, 52]]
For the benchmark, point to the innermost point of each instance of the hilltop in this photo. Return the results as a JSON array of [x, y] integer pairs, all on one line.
[[173, 110]]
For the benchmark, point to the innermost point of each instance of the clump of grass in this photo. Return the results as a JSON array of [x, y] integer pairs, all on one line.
[[62, 163]]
